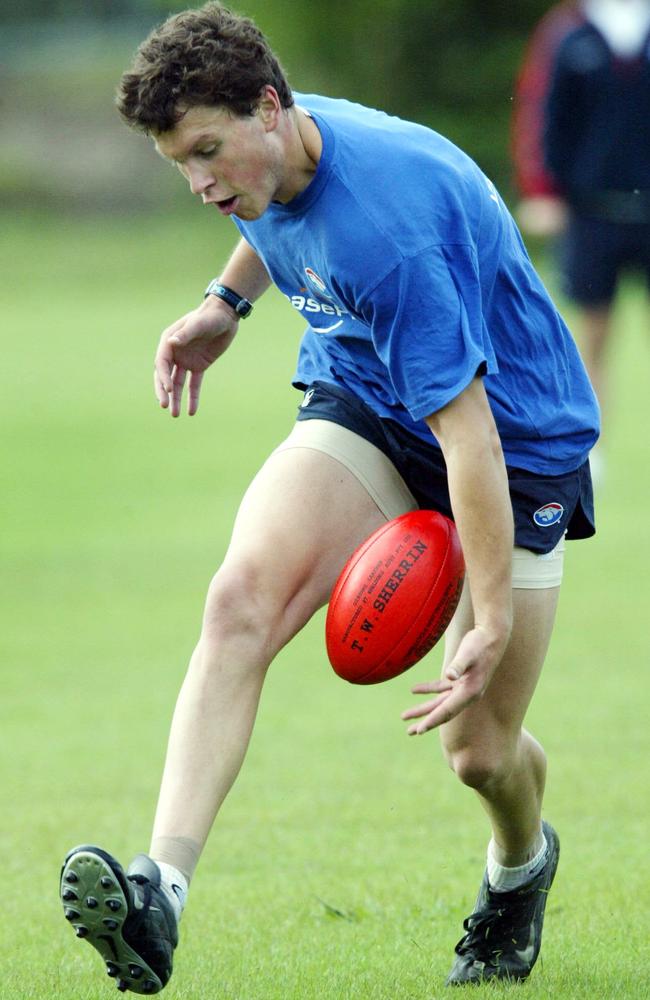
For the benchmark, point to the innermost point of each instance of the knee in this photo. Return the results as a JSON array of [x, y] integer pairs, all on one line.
[[479, 767], [240, 607]]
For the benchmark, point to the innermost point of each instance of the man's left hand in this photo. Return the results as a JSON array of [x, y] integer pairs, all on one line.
[[465, 681]]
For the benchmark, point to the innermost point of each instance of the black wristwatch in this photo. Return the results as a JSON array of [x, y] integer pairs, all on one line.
[[242, 306]]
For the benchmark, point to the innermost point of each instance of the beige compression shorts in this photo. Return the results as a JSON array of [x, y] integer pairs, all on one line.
[[378, 475]]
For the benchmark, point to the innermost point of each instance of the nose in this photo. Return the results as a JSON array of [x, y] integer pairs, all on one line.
[[199, 178]]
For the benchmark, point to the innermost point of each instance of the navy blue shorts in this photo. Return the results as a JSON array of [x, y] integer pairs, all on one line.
[[545, 507], [595, 252]]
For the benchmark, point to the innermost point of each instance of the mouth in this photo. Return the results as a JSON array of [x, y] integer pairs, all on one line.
[[227, 206]]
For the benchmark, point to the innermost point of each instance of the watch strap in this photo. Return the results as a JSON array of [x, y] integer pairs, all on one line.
[[243, 307]]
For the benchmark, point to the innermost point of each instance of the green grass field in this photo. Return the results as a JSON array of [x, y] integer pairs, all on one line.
[[347, 856]]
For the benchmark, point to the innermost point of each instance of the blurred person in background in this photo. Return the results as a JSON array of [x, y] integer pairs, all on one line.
[[584, 165], [541, 210], [436, 372]]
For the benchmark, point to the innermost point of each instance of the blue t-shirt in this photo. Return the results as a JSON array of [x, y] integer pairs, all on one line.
[[413, 278]]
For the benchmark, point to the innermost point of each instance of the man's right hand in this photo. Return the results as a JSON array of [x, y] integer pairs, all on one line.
[[188, 347]]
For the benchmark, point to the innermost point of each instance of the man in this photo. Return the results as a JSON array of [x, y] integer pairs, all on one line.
[[436, 373], [541, 210], [581, 152], [597, 150]]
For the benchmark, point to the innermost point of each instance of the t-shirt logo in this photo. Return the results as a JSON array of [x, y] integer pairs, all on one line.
[[320, 304], [317, 284]]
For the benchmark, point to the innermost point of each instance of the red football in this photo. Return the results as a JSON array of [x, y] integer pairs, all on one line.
[[395, 597]]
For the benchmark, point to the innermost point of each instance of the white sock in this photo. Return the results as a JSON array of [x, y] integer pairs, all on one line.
[[175, 886], [503, 879]]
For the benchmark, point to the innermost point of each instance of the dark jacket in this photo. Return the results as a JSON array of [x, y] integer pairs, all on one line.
[[597, 127]]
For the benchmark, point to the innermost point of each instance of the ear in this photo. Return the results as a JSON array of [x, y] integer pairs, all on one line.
[[269, 108]]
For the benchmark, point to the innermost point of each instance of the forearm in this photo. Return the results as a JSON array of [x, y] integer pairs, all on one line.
[[480, 500], [486, 532], [245, 273]]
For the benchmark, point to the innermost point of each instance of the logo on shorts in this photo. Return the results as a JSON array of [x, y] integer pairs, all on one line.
[[548, 515], [307, 398], [317, 283]]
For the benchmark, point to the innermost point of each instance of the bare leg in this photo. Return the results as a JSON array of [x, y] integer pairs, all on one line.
[[486, 745], [299, 521], [491, 752], [595, 331]]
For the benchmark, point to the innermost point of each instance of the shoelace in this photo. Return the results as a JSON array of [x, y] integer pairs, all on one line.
[[486, 930]]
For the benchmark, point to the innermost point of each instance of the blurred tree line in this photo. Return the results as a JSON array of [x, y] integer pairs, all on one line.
[[448, 63]]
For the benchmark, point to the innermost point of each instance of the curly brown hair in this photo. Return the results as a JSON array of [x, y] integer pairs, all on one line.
[[208, 56]]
